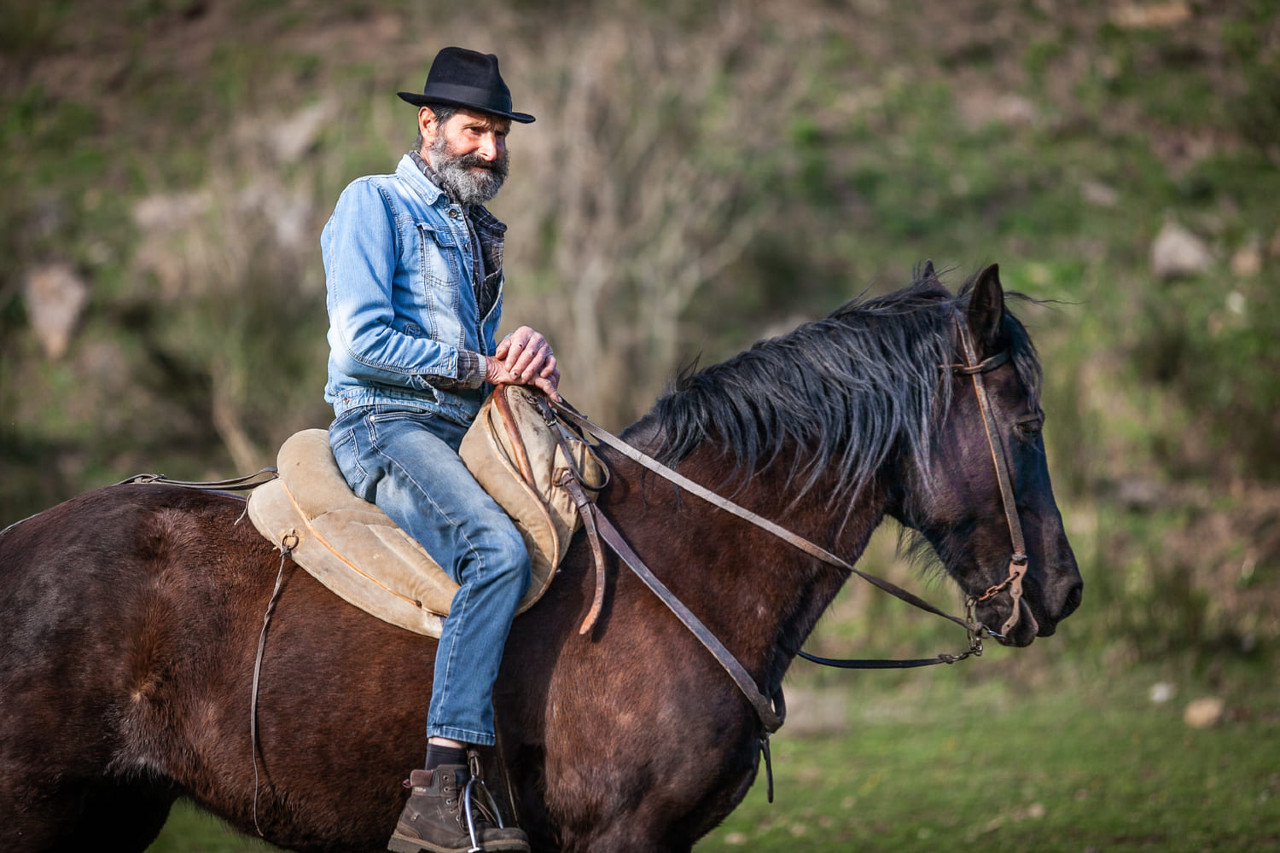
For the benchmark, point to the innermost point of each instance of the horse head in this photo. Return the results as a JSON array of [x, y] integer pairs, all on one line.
[[955, 499]]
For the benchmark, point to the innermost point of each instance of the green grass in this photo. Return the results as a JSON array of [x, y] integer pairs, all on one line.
[[991, 768], [193, 831], [959, 760]]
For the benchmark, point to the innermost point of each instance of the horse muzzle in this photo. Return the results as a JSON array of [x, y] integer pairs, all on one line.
[[1009, 631], [1038, 611]]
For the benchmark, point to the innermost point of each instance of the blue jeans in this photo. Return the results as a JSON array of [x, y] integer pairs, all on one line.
[[406, 462]]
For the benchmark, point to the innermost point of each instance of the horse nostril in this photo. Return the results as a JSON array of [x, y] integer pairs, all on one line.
[[1073, 600]]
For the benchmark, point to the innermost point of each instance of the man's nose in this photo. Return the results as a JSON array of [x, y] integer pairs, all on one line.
[[490, 147]]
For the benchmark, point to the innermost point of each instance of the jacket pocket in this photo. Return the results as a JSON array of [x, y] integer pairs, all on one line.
[[440, 255]]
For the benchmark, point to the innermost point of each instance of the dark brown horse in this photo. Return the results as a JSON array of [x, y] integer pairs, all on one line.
[[130, 616]]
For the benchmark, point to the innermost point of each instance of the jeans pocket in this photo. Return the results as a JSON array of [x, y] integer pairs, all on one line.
[[346, 452], [384, 419], [388, 426]]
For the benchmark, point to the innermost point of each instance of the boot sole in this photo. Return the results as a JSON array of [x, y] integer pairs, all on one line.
[[401, 844]]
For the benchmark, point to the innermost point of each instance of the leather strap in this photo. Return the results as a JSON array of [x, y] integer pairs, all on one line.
[[587, 511], [745, 514], [770, 718], [573, 481], [1018, 560], [235, 484], [286, 550]]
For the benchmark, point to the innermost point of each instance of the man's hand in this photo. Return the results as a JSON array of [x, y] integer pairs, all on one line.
[[524, 358]]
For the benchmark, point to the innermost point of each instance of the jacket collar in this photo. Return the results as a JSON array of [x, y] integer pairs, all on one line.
[[408, 171], [416, 175]]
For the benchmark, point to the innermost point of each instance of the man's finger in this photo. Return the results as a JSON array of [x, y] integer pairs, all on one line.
[[522, 354], [531, 360], [549, 384]]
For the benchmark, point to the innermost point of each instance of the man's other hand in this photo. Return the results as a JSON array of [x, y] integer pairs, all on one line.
[[524, 358]]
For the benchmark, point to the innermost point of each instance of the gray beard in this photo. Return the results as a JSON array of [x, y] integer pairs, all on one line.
[[467, 178]]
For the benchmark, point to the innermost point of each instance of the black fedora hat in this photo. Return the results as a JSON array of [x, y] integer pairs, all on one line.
[[465, 78]]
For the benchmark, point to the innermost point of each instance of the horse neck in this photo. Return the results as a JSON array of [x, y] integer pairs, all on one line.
[[760, 595]]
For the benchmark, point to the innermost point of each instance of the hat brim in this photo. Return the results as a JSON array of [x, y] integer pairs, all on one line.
[[419, 100]]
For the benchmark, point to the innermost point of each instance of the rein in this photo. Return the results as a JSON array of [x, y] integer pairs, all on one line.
[[747, 685], [599, 527]]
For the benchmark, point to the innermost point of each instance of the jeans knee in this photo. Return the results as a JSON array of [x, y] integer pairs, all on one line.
[[514, 562]]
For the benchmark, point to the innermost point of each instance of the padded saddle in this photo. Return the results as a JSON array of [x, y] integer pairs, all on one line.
[[516, 450]]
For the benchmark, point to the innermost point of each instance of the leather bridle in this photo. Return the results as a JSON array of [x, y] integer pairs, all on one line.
[[1018, 559], [771, 709]]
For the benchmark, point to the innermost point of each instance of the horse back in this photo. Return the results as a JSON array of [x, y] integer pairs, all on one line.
[[107, 555]]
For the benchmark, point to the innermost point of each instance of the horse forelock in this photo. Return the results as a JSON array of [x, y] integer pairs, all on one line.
[[849, 391]]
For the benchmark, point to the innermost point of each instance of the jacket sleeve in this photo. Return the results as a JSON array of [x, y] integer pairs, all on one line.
[[361, 250]]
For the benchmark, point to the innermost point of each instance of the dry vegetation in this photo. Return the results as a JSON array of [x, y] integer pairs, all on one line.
[[697, 178]]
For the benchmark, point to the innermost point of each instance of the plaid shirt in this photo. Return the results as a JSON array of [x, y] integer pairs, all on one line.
[[487, 237]]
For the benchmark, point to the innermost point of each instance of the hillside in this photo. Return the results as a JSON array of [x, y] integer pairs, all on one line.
[[696, 179]]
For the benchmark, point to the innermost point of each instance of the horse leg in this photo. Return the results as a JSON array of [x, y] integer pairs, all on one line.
[[58, 789], [633, 839], [53, 811]]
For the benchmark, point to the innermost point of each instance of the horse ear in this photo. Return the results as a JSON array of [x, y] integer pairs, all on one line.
[[927, 273], [986, 310]]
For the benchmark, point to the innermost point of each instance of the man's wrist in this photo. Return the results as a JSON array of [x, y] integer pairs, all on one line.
[[472, 369]]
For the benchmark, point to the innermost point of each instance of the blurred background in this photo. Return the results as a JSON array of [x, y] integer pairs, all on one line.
[[702, 175]]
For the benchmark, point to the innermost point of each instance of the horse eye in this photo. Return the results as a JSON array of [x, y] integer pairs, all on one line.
[[1031, 426]]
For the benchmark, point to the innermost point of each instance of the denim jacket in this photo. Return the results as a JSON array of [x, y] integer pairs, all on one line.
[[404, 325]]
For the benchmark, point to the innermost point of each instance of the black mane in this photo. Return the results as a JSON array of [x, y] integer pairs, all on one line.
[[853, 388]]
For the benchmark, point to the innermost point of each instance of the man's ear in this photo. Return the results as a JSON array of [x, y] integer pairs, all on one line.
[[427, 125]]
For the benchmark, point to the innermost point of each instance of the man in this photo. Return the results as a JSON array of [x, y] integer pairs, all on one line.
[[413, 263]]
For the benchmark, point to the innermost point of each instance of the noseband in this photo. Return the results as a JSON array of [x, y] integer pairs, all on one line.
[[1018, 560]]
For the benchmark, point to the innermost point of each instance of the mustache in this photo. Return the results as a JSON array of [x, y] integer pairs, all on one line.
[[474, 161]]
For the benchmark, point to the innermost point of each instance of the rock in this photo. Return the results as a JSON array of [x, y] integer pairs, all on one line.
[[1150, 16], [1161, 692], [1099, 194], [813, 712], [1247, 261], [1204, 713], [56, 296], [1177, 252]]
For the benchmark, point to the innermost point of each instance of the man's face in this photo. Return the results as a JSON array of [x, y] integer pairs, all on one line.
[[468, 152]]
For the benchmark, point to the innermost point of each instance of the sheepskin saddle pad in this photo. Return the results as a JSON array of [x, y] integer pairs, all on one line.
[[517, 452]]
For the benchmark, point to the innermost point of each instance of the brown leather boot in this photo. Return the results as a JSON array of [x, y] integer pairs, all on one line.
[[434, 820]]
